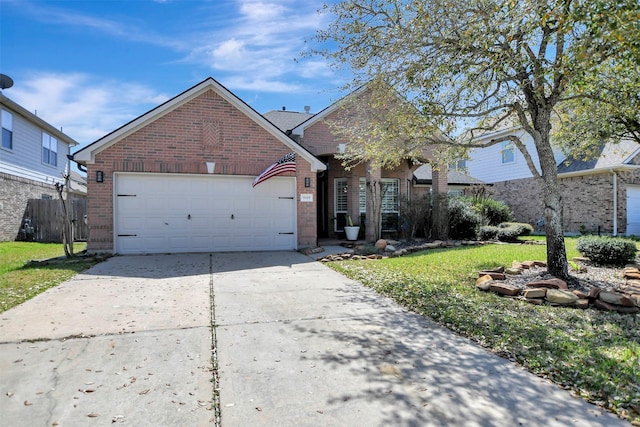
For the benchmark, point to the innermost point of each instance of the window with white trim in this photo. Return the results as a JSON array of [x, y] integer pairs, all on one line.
[[49, 149], [390, 208], [7, 130], [508, 152]]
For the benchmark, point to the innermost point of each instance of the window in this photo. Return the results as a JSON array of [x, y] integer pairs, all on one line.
[[455, 193], [341, 203], [508, 152], [459, 165], [7, 130], [390, 202], [49, 149]]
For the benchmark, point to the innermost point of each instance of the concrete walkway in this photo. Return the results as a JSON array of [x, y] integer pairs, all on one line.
[[130, 342]]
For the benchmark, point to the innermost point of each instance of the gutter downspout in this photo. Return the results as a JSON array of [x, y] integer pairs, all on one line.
[[615, 202]]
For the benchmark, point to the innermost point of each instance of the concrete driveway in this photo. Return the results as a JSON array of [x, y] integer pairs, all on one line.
[[129, 342]]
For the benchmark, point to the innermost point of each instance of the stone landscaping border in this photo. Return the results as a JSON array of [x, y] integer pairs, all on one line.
[[555, 291]]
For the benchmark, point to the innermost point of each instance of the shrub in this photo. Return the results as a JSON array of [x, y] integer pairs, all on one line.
[[493, 211], [463, 219], [488, 232], [524, 229], [607, 250], [415, 215], [505, 232]]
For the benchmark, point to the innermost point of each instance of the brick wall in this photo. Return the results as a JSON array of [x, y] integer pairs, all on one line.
[[588, 200], [15, 192], [206, 129]]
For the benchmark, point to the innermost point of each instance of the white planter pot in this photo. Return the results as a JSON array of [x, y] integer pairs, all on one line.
[[352, 232]]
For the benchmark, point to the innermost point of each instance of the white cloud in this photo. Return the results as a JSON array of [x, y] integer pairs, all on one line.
[[85, 107], [261, 44]]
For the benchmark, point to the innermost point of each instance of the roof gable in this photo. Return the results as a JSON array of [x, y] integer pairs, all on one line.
[[87, 154]]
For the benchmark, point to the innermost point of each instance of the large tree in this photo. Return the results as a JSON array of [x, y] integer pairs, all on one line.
[[470, 67]]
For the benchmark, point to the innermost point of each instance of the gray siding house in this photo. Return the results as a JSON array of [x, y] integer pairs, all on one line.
[[33, 158]]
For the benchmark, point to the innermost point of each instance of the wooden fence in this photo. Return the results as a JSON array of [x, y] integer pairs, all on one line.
[[46, 218]]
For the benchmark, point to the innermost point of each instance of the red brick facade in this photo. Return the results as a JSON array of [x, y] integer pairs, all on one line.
[[588, 200], [205, 129]]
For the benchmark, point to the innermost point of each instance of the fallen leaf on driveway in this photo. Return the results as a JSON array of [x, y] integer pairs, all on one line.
[[93, 415], [27, 403]]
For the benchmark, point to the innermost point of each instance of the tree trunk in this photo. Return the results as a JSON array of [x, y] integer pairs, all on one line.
[[374, 203], [557, 264]]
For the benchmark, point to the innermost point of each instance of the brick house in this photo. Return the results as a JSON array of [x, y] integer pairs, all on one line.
[[179, 179], [33, 158], [600, 195]]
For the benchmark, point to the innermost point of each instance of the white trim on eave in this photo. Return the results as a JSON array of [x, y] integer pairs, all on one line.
[[87, 155], [620, 168]]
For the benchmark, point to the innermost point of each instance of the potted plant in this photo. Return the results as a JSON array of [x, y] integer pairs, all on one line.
[[351, 230]]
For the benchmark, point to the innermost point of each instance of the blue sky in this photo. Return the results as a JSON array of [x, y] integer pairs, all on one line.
[[91, 66]]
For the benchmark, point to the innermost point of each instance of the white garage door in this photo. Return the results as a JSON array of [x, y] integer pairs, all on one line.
[[162, 213], [633, 211]]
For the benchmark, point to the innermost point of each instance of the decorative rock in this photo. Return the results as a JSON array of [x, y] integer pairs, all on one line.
[[513, 271], [550, 283], [389, 248], [636, 298], [494, 275], [496, 270], [559, 296], [527, 264], [484, 282], [580, 294], [516, 264], [599, 304], [536, 301], [381, 244], [580, 259], [616, 298], [582, 303], [631, 273], [504, 289], [535, 293], [434, 244], [612, 307], [372, 256], [539, 263], [594, 292]]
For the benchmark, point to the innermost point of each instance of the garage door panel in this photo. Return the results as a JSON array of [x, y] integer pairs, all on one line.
[[191, 213]]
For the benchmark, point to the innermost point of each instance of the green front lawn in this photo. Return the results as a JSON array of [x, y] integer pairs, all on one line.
[[596, 354], [21, 280]]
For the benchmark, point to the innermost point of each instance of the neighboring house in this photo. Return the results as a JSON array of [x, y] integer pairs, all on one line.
[[459, 183], [599, 195], [33, 158], [179, 179]]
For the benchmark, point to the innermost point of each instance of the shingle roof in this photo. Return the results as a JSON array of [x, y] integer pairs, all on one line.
[[424, 175], [286, 120], [609, 155]]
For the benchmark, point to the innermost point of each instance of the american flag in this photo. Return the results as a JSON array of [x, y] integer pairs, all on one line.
[[286, 164]]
